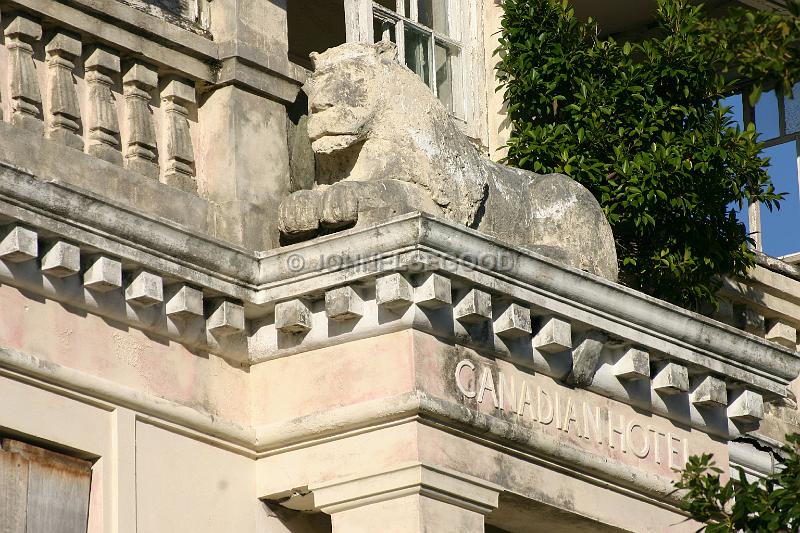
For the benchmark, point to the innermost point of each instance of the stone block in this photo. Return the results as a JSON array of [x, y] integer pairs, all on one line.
[[393, 291], [61, 260], [475, 307], [23, 26], [586, 356], [102, 59], [104, 274], [141, 74], [781, 333], [710, 392], [434, 292], [293, 316], [634, 364], [748, 407], [184, 302], [19, 244], [750, 320], [145, 289], [343, 303], [514, 322], [671, 379], [65, 44], [226, 319], [554, 336], [180, 91]]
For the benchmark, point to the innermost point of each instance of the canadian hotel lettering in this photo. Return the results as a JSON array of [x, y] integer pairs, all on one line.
[[533, 405]]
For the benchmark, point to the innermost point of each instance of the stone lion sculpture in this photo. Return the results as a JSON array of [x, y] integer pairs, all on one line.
[[385, 145]]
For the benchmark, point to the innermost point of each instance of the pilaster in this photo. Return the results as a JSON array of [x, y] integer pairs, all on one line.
[[410, 498], [244, 160]]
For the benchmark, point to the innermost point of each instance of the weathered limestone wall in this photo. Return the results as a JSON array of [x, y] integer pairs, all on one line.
[[380, 373], [126, 357], [145, 477]]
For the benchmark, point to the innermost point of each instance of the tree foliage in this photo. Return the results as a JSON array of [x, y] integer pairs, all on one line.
[[771, 504], [640, 125]]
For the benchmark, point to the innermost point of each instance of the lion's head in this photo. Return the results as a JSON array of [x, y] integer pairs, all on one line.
[[344, 93], [372, 118]]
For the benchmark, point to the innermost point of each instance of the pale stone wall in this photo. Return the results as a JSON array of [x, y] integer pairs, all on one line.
[[497, 120]]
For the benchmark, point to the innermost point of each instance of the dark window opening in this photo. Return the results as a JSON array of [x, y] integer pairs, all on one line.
[[314, 26]]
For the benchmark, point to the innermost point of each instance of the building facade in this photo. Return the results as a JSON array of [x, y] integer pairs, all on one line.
[[172, 359]]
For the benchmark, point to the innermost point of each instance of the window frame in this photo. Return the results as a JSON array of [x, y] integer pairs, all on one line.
[[749, 117], [451, 42], [464, 34]]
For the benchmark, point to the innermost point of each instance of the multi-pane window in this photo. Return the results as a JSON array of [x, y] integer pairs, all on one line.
[[426, 34], [777, 120]]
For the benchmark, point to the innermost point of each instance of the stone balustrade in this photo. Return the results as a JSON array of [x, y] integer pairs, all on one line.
[[765, 303], [102, 100]]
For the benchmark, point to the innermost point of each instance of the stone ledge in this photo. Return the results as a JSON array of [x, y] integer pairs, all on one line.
[[438, 483], [418, 243]]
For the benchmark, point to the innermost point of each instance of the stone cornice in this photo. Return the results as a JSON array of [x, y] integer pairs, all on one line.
[[412, 272]]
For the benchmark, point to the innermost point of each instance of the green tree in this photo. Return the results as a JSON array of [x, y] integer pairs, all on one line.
[[771, 504], [640, 125]]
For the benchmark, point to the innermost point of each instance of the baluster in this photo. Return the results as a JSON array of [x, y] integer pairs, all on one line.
[[140, 152], [102, 121], [26, 100], [64, 121], [179, 154]]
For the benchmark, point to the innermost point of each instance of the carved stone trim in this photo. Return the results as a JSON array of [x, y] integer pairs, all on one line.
[[102, 120], [141, 154], [26, 100], [435, 482], [64, 116], [176, 97]]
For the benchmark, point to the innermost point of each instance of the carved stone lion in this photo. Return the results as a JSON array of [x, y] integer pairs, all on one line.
[[385, 145]]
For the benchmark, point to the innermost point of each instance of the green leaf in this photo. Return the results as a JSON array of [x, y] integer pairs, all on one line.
[[639, 124]]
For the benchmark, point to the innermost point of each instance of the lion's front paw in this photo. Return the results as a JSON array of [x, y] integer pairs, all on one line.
[[299, 213], [340, 205], [306, 213]]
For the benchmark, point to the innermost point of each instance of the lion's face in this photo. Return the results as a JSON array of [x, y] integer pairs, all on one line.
[[343, 97]]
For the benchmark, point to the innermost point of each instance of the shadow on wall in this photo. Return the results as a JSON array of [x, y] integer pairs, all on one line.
[[296, 521]]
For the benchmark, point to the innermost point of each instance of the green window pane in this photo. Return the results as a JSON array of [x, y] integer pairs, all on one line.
[[418, 53], [433, 14], [444, 76]]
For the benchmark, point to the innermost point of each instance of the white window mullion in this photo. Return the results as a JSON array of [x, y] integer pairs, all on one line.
[[400, 35], [432, 64], [358, 21]]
